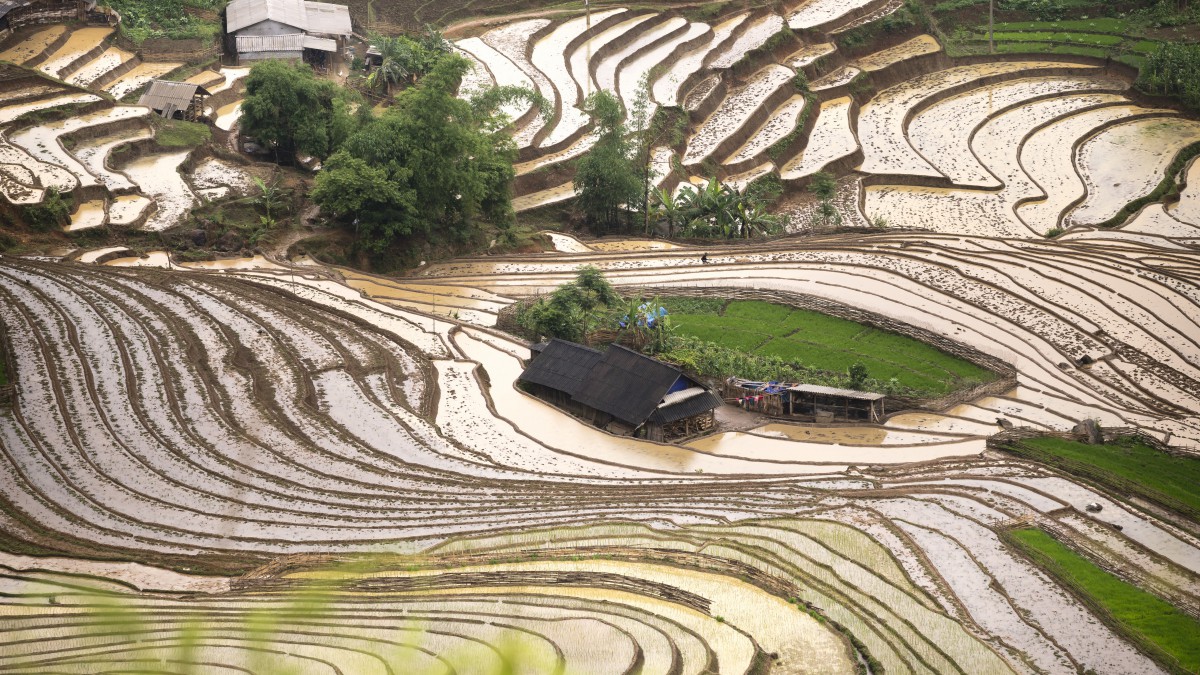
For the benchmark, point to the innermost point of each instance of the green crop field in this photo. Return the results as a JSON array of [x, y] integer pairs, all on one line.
[[1103, 37], [1048, 48], [1127, 465], [174, 19], [1053, 36], [1099, 25], [1148, 618], [820, 342]]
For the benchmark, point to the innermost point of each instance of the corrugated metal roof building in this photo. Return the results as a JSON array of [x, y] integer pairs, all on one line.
[[241, 15], [325, 18], [175, 99], [283, 29]]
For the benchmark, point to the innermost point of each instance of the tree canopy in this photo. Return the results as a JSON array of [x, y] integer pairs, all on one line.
[[291, 111], [432, 162]]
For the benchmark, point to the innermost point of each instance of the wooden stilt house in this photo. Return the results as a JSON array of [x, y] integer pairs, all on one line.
[[620, 390]]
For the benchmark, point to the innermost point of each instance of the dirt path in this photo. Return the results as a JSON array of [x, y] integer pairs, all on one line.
[[279, 249]]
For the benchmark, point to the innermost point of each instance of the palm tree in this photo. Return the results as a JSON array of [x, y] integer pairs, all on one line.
[[668, 208], [397, 64], [751, 219], [719, 202], [434, 43]]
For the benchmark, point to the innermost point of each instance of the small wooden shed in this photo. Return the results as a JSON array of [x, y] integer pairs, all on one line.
[[831, 403], [175, 100]]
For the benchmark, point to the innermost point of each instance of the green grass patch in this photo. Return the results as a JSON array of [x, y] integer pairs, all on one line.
[[1127, 466], [1166, 632], [811, 346], [1145, 46], [1134, 60], [180, 134]]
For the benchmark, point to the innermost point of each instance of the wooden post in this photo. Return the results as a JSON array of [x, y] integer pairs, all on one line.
[[991, 26]]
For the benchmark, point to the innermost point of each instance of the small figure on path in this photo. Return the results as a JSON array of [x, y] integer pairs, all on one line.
[[704, 258]]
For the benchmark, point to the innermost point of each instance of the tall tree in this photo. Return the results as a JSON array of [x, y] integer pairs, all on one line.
[[291, 111], [641, 138], [606, 178]]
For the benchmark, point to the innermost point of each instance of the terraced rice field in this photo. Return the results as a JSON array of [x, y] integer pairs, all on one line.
[[70, 151], [938, 132], [265, 464]]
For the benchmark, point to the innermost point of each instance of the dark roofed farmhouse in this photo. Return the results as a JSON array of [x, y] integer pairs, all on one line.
[[620, 390]]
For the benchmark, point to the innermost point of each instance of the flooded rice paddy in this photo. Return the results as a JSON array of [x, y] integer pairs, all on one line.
[[331, 411], [158, 176]]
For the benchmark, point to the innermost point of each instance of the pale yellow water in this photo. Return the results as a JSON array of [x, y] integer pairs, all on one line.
[[125, 209], [87, 215], [227, 115], [922, 44], [81, 42], [33, 45]]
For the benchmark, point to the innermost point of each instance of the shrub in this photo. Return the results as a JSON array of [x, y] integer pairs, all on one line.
[[858, 375], [53, 212], [572, 309], [1171, 71]]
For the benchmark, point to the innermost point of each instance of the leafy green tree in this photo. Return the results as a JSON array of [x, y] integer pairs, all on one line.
[[716, 210], [373, 200], [606, 178], [593, 289], [858, 375], [398, 64], [753, 220], [292, 111], [641, 137], [712, 210], [432, 163]]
